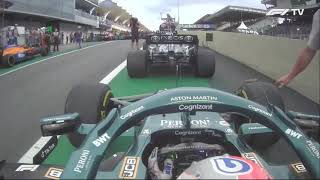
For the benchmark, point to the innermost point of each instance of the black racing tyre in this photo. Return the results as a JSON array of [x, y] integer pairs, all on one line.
[[92, 102], [205, 62], [144, 46], [43, 51], [262, 93], [137, 64], [8, 61]]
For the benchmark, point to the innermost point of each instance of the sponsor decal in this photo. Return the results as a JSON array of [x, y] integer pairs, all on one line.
[[131, 113], [179, 124], [185, 133], [188, 39], [129, 168], [229, 166], [229, 131], [284, 12], [252, 157], [313, 149], [193, 107], [21, 55], [194, 99], [27, 167], [100, 140], [53, 173], [257, 127], [155, 38], [171, 38], [45, 150], [83, 159], [146, 132], [224, 123], [299, 168], [293, 133], [259, 110], [59, 119]]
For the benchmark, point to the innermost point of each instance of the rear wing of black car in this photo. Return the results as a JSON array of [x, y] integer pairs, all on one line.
[[172, 39]]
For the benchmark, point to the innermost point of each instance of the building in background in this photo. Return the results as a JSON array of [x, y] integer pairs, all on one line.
[[68, 16]]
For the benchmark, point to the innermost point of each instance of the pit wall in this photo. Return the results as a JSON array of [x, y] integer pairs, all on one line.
[[272, 56]]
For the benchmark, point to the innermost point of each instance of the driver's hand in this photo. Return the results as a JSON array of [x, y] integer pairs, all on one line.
[[283, 81]]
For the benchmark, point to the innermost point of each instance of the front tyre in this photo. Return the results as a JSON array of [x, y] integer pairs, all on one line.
[[92, 102], [8, 61], [262, 93]]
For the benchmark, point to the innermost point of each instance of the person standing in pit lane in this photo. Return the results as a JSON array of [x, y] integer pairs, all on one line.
[[78, 37], [134, 24], [306, 55], [56, 39]]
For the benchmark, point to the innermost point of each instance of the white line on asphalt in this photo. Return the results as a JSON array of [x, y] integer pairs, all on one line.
[[114, 73], [28, 156], [76, 50]]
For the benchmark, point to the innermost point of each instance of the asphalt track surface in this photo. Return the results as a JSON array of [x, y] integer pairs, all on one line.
[[40, 90]]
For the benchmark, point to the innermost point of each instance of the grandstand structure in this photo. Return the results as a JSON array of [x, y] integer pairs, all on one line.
[[236, 19], [255, 21]]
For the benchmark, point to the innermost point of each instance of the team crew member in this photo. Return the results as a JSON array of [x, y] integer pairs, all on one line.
[[134, 24], [56, 39], [306, 54]]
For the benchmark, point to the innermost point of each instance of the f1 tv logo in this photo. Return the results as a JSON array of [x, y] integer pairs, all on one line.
[[284, 12]]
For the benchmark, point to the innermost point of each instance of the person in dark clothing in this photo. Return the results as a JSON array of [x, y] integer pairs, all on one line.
[[62, 38], [134, 24], [56, 39], [77, 37], [47, 41]]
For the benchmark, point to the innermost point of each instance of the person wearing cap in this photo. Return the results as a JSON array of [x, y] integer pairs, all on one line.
[[306, 55]]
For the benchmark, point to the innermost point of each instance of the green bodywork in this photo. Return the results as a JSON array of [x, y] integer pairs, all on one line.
[[184, 100]]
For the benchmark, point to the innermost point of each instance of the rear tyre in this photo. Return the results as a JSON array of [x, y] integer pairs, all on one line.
[[137, 64], [262, 93], [92, 102], [8, 61], [144, 46], [205, 63]]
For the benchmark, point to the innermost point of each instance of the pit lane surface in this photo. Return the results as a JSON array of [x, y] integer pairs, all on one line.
[[40, 90], [31, 93]]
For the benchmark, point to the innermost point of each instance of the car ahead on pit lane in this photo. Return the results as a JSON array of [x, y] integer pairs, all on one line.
[[14, 54], [192, 133], [174, 49]]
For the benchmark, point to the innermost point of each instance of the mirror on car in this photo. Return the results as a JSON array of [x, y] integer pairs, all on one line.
[[58, 125]]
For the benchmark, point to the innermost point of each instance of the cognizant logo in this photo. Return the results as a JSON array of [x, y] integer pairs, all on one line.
[[195, 107], [131, 113], [259, 110]]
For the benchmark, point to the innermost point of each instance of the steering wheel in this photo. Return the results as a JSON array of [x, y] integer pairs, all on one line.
[[191, 100]]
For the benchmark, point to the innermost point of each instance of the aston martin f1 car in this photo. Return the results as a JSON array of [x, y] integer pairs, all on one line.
[[182, 133], [168, 47]]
